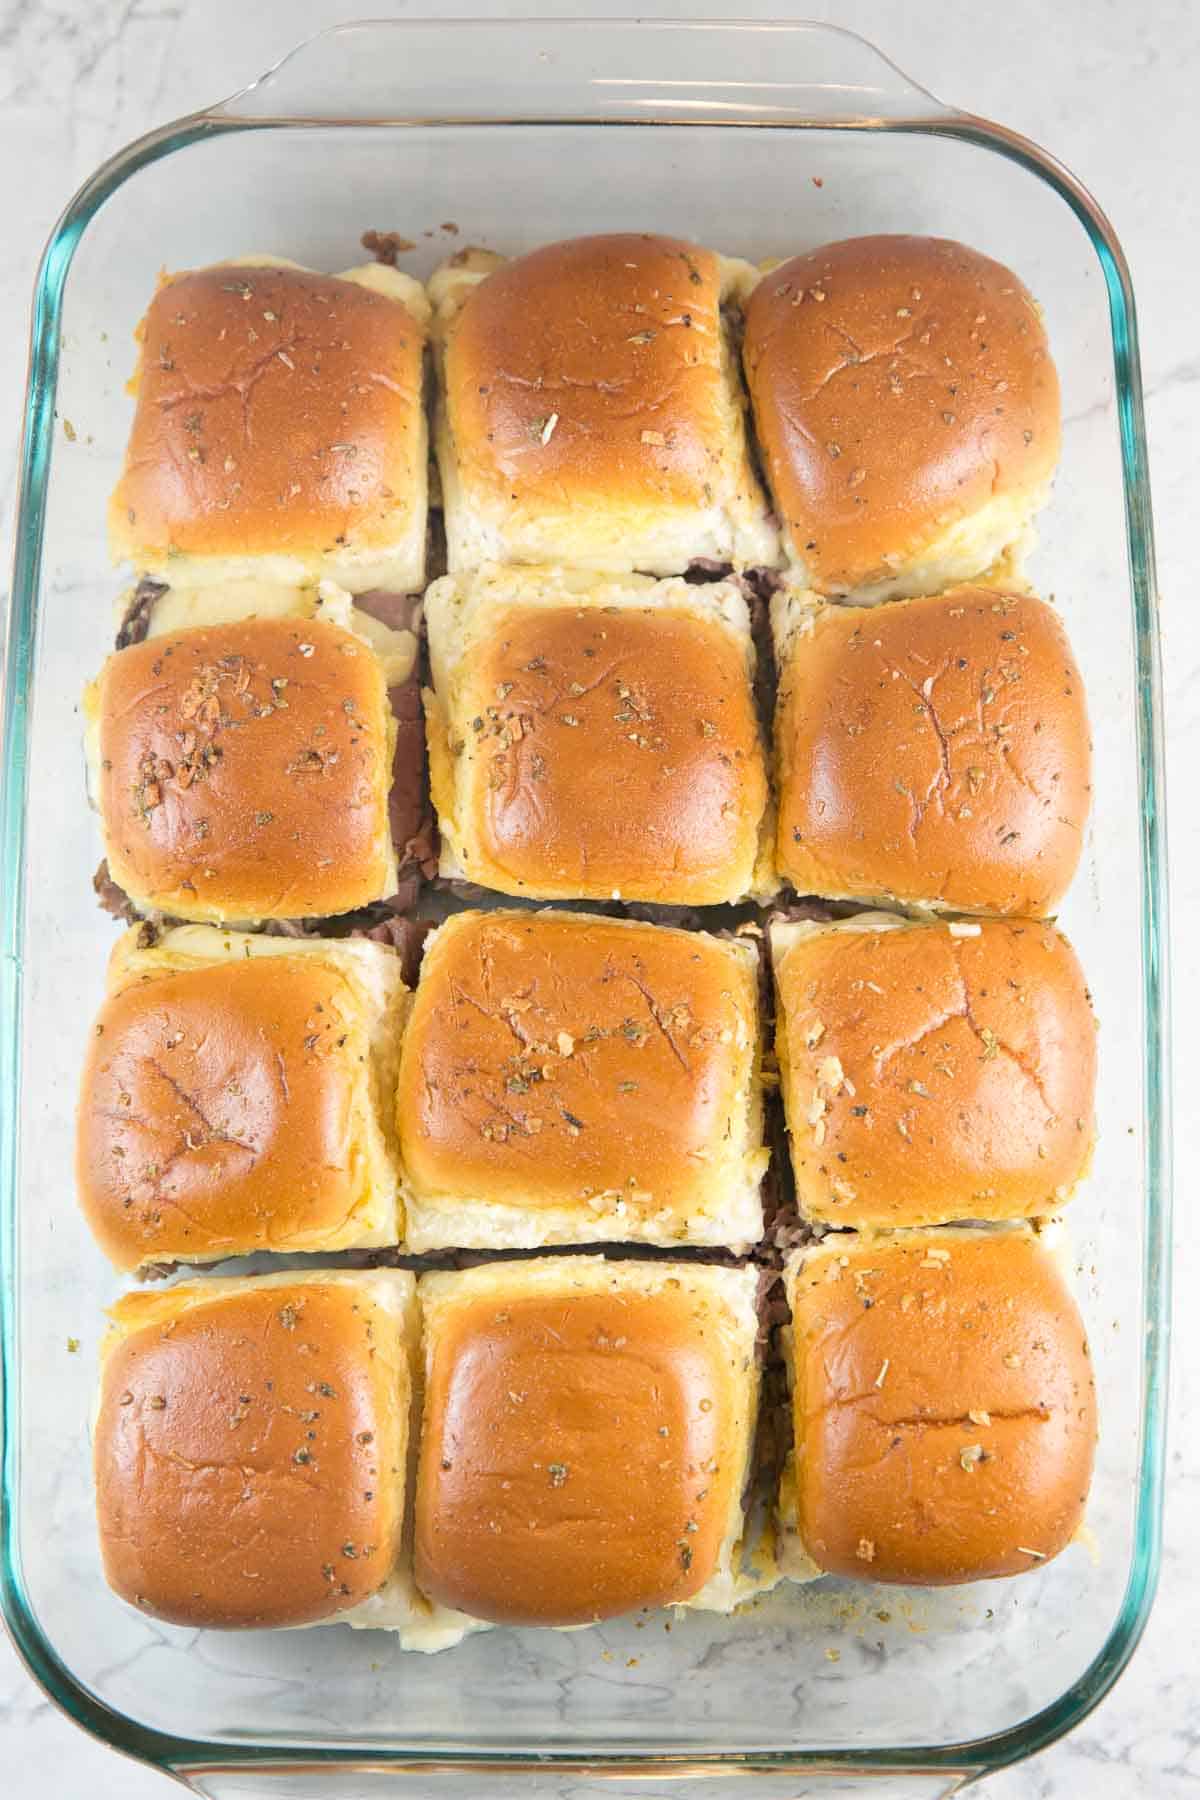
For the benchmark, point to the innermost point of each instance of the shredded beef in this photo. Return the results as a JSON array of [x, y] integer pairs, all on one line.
[[783, 1227], [399, 612], [703, 569], [772, 1304], [112, 898], [385, 246], [136, 624], [766, 676], [471, 894], [409, 884], [471, 1259], [410, 811], [773, 1437], [405, 935], [436, 557], [786, 1231], [422, 848], [684, 918], [756, 587], [288, 928], [764, 584], [408, 801], [801, 907]]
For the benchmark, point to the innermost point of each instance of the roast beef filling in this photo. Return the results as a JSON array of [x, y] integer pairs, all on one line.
[[414, 830], [112, 898], [136, 623]]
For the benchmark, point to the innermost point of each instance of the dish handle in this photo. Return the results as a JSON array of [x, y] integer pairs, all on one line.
[[418, 71]]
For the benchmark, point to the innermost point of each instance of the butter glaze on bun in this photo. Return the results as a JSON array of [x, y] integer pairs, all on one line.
[[280, 429], [934, 752], [933, 1072], [242, 770], [591, 739], [570, 1079], [586, 1438], [944, 1408], [907, 410], [250, 1446], [237, 1097], [591, 411]]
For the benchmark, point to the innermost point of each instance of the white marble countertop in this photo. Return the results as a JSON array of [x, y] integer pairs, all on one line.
[[1110, 87]]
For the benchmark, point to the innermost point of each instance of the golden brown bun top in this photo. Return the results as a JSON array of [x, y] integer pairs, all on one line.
[[898, 384], [624, 755], [592, 368], [945, 1406], [932, 1076], [552, 1058], [934, 751], [576, 1456], [277, 414], [216, 1111], [249, 1452], [245, 770]]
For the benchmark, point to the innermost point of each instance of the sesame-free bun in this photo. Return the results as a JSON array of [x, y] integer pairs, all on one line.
[[571, 1079], [242, 770], [237, 1097], [280, 428], [933, 752], [590, 409], [595, 738], [586, 1438], [250, 1445], [944, 1408], [907, 410], [933, 1072]]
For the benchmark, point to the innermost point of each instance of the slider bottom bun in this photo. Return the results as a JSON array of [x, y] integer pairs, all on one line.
[[251, 1445], [586, 1439], [944, 1408]]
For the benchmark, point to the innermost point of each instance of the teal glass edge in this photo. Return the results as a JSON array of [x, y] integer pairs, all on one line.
[[178, 1755]]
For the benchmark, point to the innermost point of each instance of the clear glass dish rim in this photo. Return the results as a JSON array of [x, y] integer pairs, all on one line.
[[183, 1756]]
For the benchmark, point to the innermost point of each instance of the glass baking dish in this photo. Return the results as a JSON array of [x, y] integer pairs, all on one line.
[[759, 139]]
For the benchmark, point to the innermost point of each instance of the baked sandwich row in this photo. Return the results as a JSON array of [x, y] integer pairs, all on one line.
[[588, 738], [565, 1440], [595, 406], [558, 1078]]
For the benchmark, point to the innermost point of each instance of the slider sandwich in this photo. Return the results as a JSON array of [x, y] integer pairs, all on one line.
[[907, 411], [249, 767], [932, 753], [590, 409], [586, 1439], [567, 1079], [594, 738], [933, 1072], [944, 1408], [279, 433], [251, 1448], [237, 1096]]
